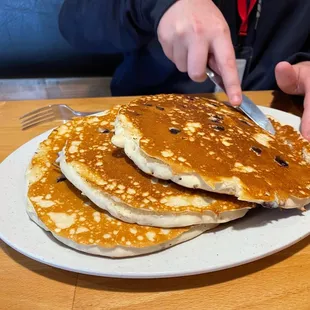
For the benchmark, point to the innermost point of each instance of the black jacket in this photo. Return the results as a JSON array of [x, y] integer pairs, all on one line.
[[129, 27]]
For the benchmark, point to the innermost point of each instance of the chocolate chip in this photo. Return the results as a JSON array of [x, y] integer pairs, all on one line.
[[256, 150], [212, 103], [216, 118], [218, 128], [134, 112], [103, 130], [160, 108], [61, 179], [220, 117], [148, 104], [174, 131], [190, 98], [281, 162]]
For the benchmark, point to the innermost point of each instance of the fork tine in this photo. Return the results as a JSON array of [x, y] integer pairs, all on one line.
[[37, 122], [37, 118], [34, 117], [35, 112]]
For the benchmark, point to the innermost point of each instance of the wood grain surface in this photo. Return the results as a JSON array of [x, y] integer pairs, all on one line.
[[280, 281]]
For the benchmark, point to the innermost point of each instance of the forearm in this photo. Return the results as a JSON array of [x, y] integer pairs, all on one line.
[[110, 26]]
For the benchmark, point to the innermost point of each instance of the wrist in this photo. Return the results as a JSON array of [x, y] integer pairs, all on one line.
[[154, 11]]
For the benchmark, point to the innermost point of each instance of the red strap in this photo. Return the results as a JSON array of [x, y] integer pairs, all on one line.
[[244, 13]]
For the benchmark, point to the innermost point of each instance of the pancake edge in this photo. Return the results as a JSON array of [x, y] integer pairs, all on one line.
[[117, 251], [129, 214], [128, 138]]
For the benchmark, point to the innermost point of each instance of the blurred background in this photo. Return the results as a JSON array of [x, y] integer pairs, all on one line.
[[37, 63]]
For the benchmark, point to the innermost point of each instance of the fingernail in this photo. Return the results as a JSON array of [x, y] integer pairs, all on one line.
[[236, 100]]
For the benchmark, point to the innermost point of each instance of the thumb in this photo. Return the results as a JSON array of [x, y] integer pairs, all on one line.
[[287, 77], [305, 121]]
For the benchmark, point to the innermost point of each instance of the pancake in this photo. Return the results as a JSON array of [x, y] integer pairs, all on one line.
[[57, 206], [109, 179], [202, 143]]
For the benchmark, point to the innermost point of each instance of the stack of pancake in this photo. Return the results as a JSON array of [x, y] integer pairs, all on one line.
[[159, 171]]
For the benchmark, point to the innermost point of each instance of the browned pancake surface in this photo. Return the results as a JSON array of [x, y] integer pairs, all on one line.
[[67, 213], [108, 169], [198, 135]]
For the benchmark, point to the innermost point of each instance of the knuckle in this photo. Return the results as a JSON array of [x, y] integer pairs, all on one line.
[[164, 39], [198, 28], [221, 28], [229, 63], [233, 87], [180, 32], [181, 67], [197, 76]]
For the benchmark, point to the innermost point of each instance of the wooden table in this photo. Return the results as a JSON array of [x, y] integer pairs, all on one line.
[[280, 281]]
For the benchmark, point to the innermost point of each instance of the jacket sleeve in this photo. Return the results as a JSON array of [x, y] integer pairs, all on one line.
[[299, 57], [110, 26], [303, 55]]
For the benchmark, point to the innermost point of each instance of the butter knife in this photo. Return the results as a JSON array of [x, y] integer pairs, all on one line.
[[248, 107]]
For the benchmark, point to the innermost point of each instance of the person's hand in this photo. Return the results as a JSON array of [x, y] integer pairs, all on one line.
[[295, 80], [194, 33]]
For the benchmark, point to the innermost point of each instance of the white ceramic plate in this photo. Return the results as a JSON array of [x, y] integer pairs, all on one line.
[[258, 234]]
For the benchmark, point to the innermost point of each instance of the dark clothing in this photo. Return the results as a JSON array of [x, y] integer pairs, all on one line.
[[129, 27]]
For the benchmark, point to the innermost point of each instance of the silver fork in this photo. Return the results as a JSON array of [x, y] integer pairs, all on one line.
[[50, 113]]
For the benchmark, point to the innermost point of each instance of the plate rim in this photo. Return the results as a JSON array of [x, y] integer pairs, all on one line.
[[142, 275]]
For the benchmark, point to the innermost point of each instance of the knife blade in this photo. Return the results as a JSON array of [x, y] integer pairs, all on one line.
[[248, 107]]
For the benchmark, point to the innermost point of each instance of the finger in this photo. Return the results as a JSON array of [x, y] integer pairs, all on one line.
[[305, 122], [287, 78], [197, 59], [212, 64], [180, 56], [226, 62], [168, 50]]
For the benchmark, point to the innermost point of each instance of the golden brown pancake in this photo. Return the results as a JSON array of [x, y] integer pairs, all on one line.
[[107, 177], [202, 143], [57, 206]]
